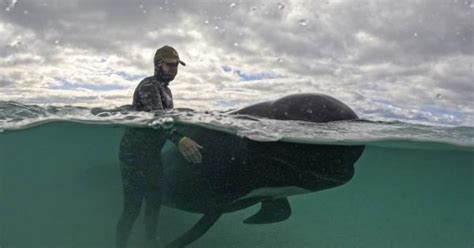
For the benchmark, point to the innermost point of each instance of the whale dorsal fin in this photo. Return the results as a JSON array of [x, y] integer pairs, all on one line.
[[271, 211]]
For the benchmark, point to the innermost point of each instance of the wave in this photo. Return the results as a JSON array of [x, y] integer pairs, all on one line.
[[15, 116]]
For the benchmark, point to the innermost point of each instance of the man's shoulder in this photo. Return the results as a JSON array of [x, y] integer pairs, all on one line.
[[146, 82]]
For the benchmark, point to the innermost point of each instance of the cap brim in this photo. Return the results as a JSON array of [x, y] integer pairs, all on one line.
[[173, 61]]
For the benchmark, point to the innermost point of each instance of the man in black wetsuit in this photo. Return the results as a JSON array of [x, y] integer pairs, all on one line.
[[140, 150]]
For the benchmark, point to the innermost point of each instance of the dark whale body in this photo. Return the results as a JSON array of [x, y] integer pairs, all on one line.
[[237, 172]]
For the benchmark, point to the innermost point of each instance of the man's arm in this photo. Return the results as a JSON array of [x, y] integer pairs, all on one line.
[[173, 135], [147, 98], [186, 146]]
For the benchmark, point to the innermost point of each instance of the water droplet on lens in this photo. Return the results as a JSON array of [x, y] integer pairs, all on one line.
[[280, 60], [232, 5], [206, 22], [303, 22], [236, 44], [7, 9], [281, 6], [56, 42]]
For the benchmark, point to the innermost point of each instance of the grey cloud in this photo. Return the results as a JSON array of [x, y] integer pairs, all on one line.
[[405, 52], [5, 82], [421, 30]]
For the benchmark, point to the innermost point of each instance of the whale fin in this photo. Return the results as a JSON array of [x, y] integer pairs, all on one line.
[[199, 229], [271, 211]]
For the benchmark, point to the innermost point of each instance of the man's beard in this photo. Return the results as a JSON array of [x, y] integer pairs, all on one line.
[[162, 76], [167, 77]]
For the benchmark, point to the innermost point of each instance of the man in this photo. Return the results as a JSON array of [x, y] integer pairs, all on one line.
[[140, 149]]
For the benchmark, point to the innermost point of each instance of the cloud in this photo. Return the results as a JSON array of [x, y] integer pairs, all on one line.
[[405, 60]]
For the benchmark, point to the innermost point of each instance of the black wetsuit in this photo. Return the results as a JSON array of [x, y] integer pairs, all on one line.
[[140, 156], [139, 144]]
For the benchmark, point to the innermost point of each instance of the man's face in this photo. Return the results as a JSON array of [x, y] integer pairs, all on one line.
[[170, 70]]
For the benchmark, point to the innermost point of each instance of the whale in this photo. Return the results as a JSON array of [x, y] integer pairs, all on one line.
[[237, 172]]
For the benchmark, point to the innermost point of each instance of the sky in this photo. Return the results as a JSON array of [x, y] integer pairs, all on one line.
[[406, 60]]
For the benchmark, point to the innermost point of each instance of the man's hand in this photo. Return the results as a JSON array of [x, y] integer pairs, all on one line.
[[190, 150]]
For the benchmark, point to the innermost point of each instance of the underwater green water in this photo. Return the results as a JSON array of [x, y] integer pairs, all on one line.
[[60, 187]]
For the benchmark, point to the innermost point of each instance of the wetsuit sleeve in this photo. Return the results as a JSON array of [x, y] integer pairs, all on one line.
[[174, 136], [148, 98]]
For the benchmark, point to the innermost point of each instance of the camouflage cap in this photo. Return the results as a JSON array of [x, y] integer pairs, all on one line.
[[167, 54]]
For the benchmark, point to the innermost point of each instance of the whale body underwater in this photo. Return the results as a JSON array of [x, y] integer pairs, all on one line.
[[237, 172]]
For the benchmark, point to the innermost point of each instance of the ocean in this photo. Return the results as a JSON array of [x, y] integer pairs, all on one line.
[[60, 182]]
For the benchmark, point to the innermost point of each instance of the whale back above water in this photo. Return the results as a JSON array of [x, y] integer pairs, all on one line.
[[302, 107]]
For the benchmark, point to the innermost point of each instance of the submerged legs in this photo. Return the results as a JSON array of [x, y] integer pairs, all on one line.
[[139, 183]]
